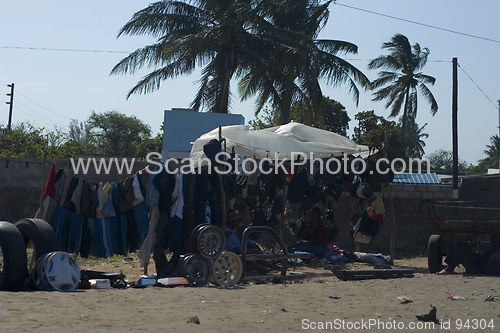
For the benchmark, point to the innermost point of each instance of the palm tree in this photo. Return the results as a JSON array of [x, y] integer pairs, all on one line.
[[414, 138], [268, 44], [212, 34], [420, 135], [299, 60], [492, 159], [402, 79]]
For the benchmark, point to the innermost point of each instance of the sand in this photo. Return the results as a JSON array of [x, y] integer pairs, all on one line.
[[321, 302]]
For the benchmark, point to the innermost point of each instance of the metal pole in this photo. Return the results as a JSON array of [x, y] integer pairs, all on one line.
[[499, 132], [454, 117], [11, 106]]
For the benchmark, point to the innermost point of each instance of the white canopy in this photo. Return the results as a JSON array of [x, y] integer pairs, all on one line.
[[285, 140]]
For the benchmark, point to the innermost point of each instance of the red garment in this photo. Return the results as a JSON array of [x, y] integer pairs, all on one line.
[[50, 186]]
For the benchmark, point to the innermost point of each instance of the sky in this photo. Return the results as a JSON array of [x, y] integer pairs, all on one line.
[[44, 44]]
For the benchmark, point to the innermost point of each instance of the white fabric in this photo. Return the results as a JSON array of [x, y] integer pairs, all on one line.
[[178, 206], [284, 140], [147, 245], [137, 191]]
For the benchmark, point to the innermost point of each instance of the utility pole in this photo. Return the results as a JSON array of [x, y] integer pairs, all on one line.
[[11, 106], [454, 120]]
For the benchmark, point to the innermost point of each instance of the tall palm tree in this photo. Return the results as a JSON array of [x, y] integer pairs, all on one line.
[[268, 44], [213, 34], [402, 79], [299, 60]]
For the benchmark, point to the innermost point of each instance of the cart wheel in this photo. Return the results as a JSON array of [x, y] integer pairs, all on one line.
[[227, 269], [197, 270], [434, 254], [210, 241]]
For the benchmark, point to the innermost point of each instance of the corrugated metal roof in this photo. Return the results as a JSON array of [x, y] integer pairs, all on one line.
[[416, 178]]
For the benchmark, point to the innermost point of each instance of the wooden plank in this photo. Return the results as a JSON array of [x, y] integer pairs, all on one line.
[[367, 274]]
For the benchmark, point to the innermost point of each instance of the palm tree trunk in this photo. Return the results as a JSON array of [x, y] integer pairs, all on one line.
[[225, 64], [286, 105], [405, 113], [222, 100]]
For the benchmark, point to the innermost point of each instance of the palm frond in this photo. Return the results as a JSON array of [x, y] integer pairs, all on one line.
[[161, 18], [430, 98], [383, 79], [336, 46], [389, 62], [426, 79]]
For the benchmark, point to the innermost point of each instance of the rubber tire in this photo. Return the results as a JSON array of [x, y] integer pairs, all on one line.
[[14, 270], [44, 241], [434, 254], [40, 233]]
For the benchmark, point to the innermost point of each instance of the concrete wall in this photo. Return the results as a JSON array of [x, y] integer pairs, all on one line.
[[23, 180], [412, 223], [20, 188]]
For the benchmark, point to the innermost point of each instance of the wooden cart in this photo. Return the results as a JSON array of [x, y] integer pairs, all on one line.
[[476, 216]]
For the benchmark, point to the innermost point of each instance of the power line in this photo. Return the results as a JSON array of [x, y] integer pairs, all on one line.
[[41, 106], [418, 23], [481, 90], [62, 50], [31, 116], [40, 115], [361, 59]]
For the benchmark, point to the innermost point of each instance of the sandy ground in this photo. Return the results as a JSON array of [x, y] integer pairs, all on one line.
[[320, 302]]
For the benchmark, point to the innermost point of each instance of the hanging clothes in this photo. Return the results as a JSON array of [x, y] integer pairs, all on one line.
[[50, 185], [101, 198], [178, 206], [152, 199], [137, 191], [164, 182], [103, 219], [144, 253], [76, 198], [66, 203], [141, 220], [59, 184], [108, 209]]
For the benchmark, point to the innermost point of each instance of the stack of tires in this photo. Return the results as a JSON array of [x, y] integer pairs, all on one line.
[[21, 245], [210, 263]]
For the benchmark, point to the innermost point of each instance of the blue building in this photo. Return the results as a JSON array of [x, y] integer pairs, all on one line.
[[181, 127]]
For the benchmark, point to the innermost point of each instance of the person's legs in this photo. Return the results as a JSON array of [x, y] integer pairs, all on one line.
[[160, 260]]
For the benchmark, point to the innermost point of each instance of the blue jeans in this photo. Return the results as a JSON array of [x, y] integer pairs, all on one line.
[[317, 250], [141, 220], [67, 227]]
